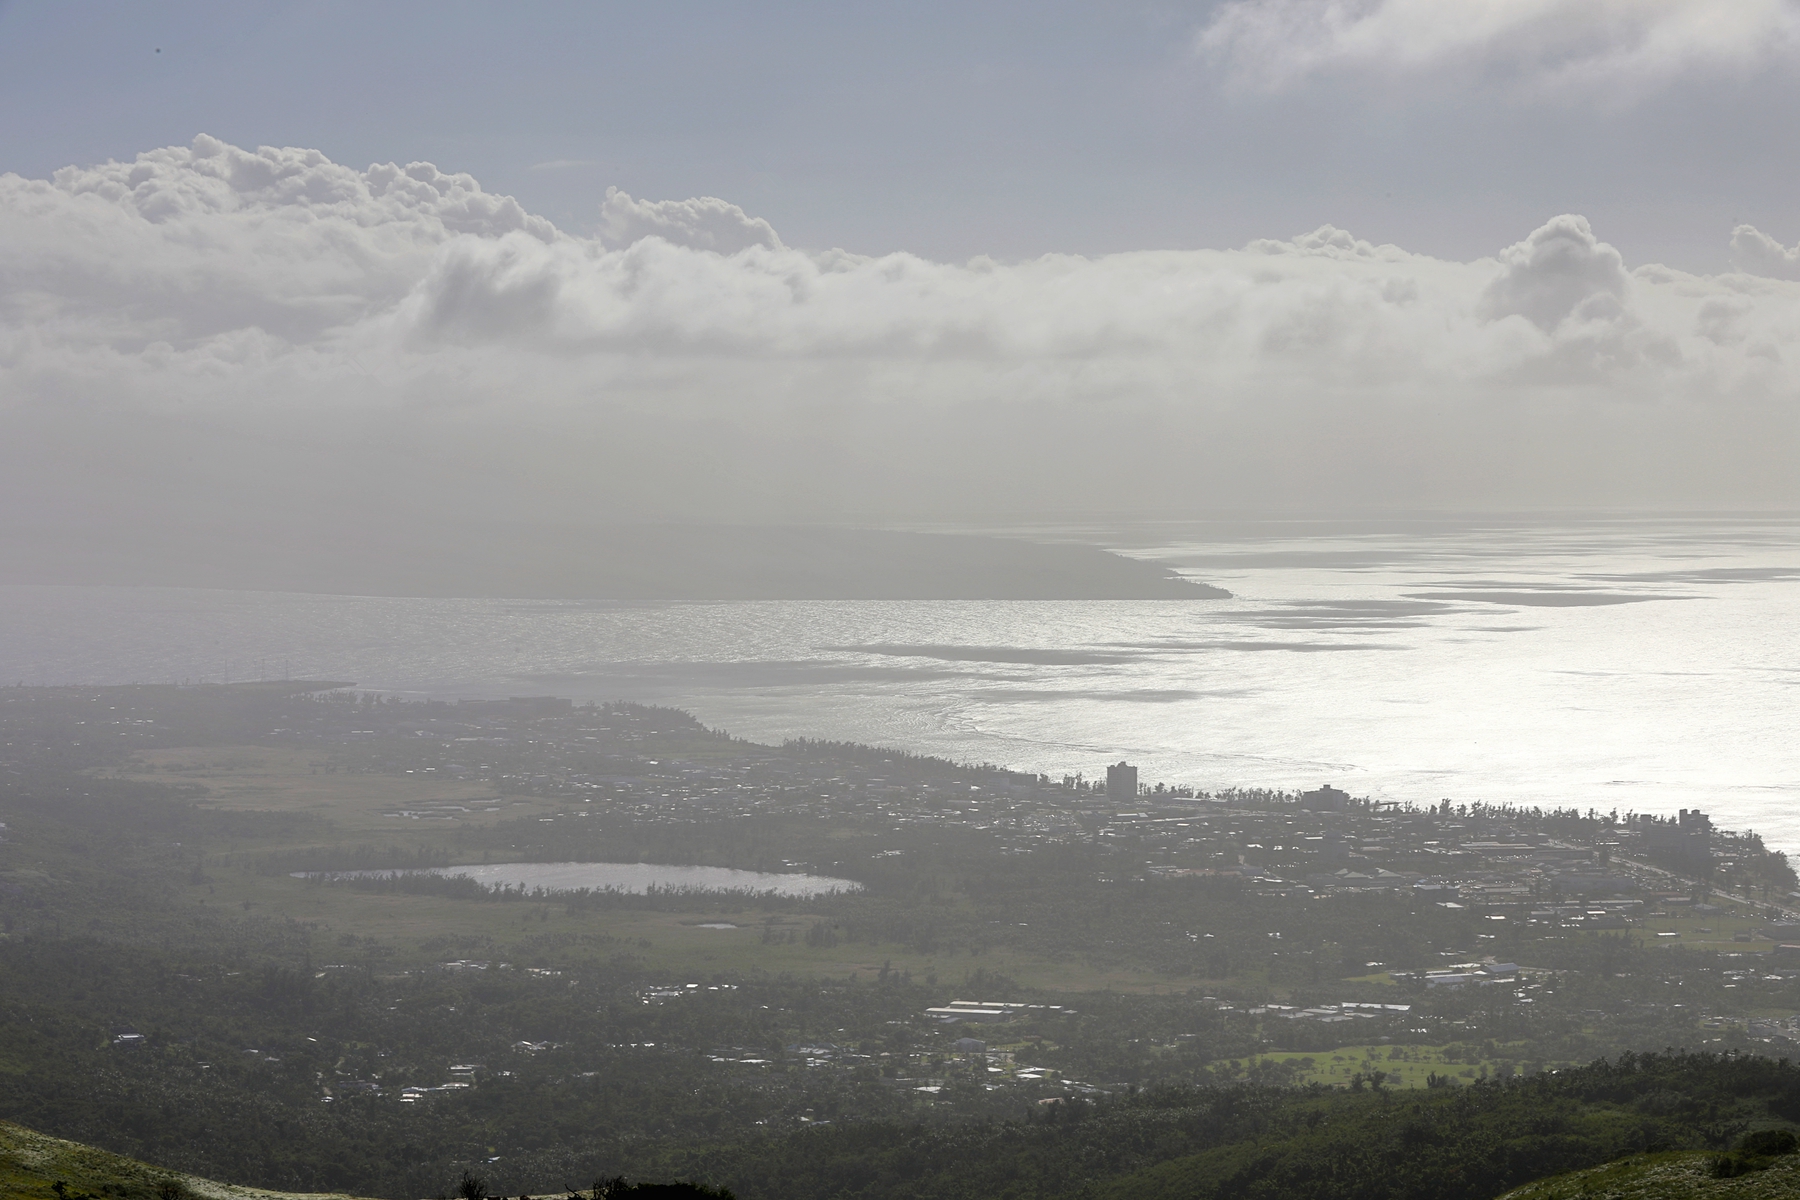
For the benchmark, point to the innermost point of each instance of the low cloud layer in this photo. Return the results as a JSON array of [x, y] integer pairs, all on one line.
[[1535, 44], [216, 338]]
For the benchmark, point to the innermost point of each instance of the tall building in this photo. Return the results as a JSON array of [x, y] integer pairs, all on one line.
[[1121, 782], [1325, 799], [1683, 844]]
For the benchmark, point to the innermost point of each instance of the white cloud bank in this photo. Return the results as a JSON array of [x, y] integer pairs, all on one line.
[[1540, 44], [215, 337]]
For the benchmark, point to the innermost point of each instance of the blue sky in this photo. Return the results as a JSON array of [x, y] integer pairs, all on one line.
[[947, 130]]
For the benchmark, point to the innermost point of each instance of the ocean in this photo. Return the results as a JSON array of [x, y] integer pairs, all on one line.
[[1642, 663]]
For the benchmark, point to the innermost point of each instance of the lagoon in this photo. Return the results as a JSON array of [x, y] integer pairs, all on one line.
[[635, 878]]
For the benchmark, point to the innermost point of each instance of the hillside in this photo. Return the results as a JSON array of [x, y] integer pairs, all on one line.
[[1476, 1142], [32, 1164], [1677, 1176]]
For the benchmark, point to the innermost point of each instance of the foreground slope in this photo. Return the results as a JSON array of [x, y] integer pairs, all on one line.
[[1476, 1142], [1677, 1176], [32, 1164]]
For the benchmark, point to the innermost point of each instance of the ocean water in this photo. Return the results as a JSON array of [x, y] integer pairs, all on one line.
[[1644, 663]]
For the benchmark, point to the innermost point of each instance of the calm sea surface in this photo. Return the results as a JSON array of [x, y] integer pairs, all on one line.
[[1644, 664]]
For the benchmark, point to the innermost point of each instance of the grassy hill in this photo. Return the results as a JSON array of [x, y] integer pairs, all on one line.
[[32, 1164], [1676, 1176], [1471, 1143]]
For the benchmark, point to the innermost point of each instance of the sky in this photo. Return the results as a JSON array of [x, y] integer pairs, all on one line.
[[950, 130], [317, 266]]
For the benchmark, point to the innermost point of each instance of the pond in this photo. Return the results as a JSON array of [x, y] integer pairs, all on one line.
[[631, 877]]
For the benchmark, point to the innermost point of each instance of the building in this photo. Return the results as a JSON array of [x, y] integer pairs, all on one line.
[[989, 1011], [1453, 979], [1325, 799], [1121, 782], [1684, 844]]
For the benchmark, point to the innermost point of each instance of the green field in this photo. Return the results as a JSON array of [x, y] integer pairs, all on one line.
[[1405, 1065], [424, 815], [1709, 931]]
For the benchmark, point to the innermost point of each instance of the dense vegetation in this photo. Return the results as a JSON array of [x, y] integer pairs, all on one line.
[[1255, 1143]]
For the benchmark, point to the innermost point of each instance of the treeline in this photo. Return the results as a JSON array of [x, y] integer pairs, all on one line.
[[571, 901], [1271, 1144]]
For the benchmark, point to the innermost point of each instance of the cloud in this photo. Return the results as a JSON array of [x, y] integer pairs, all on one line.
[[705, 223], [206, 240], [208, 339], [1756, 253], [1537, 44], [1560, 270]]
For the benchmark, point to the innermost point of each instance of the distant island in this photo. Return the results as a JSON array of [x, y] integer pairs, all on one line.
[[638, 562]]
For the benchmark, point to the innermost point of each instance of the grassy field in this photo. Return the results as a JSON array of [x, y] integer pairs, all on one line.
[[419, 929], [32, 1164], [278, 779], [1716, 931], [1407, 1066], [1383, 978]]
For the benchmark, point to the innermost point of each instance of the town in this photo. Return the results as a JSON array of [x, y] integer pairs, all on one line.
[[978, 943]]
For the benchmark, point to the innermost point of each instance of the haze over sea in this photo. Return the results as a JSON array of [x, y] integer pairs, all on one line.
[[1636, 663]]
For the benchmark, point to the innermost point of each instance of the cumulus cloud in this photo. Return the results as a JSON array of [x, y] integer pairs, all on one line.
[[208, 239], [1537, 43], [1331, 242], [1756, 253], [704, 223], [216, 338], [1560, 270]]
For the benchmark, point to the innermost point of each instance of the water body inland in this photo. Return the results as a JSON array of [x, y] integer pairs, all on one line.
[[635, 878]]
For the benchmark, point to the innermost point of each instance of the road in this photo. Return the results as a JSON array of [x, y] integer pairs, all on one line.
[[1688, 885]]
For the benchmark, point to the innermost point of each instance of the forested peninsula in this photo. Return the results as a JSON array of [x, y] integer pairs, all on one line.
[[616, 562]]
